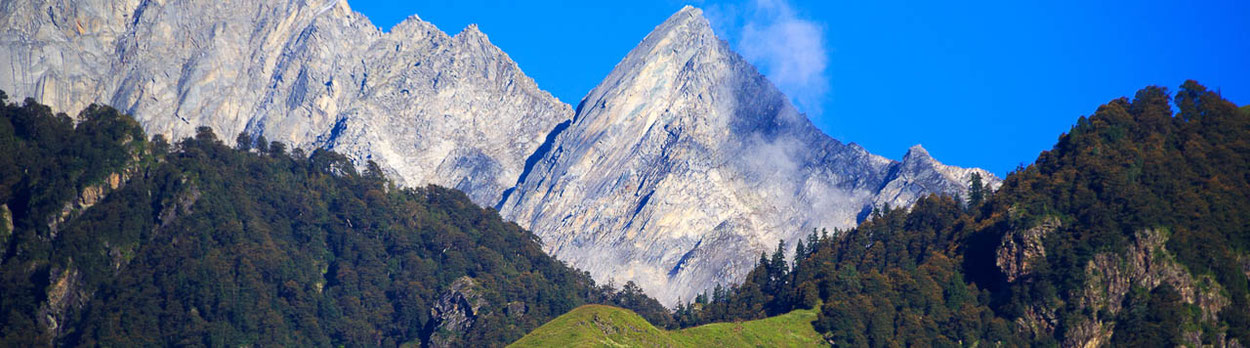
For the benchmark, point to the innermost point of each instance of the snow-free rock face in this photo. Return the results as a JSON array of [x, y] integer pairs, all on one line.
[[919, 175], [428, 107], [685, 163], [676, 171]]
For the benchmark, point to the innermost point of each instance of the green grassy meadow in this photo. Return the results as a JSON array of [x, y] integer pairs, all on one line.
[[607, 326]]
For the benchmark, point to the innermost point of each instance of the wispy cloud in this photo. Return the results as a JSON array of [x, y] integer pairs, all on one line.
[[790, 50]]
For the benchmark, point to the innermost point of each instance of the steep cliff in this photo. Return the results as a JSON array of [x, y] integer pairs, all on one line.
[[428, 107], [685, 163]]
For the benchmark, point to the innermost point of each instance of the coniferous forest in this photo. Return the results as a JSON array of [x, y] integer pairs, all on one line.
[[115, 240], [1134, 230]]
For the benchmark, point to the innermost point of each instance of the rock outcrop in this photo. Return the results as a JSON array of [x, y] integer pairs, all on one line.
[[1109, 277], [1146, 264], [1021, 248], [455, 312], [65, 293], [427, 107], [6, 228], [89, 196], [685, 163]]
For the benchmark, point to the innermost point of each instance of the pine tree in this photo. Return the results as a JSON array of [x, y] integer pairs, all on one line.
[[976, 191], [778, 270], [800, 252]]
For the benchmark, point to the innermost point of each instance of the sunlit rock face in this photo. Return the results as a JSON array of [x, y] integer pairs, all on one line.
[[675, 172], [427, 107], [685, 163]]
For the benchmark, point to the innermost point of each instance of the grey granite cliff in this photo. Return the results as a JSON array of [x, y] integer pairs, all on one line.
[[685, 163], [427, 107]]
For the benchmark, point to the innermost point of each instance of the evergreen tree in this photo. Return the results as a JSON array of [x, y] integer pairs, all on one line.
[[976, 191], [800, 252]]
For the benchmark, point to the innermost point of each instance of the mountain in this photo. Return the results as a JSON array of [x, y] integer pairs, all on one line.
[[111, 240], [673, 173], [685, 163], [427, 107]]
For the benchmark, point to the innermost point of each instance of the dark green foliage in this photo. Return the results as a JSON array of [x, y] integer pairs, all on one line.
[[209, 245], [277, 149], [243, 142], [976, 191], [631, 296], [46, 162], [1152, 318], [1133, 166], [892, 280], [929, 276]]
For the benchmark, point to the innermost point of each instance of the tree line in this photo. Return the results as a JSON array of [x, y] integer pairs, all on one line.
[[202, 243]]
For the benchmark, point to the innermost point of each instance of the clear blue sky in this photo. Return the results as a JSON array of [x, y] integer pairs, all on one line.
[[978, 83]]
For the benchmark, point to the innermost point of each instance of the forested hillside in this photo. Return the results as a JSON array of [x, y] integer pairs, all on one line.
[[110, 239], [1134, 231]]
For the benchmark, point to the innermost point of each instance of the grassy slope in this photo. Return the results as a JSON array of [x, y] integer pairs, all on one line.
[[606, 326]]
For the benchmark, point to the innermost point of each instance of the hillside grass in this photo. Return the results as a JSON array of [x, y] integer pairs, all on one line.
[[607, 326]]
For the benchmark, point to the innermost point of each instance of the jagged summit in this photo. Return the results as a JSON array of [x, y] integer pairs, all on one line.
[[685, 163], [918, 154], [678, 37], [917, 151], [414, 28], [428, 107], [920, 174], [471, 30], [689, 18]]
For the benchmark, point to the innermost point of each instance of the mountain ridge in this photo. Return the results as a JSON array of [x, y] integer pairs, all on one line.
[[675, 143], [686, 162], [306, 73]]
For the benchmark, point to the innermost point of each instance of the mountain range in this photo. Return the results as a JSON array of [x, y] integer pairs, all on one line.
[[675, 172]]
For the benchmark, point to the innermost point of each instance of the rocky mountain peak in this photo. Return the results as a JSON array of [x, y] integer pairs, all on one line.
[[916, 153], [920, 174], [680, 37], [689, 19], [471, 32], [685, 163], [690, 9], [414, 28], [475, 42], [918, 157], [429, 108]]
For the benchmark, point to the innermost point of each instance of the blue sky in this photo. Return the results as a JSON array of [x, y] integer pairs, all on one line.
[[978, 83]]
